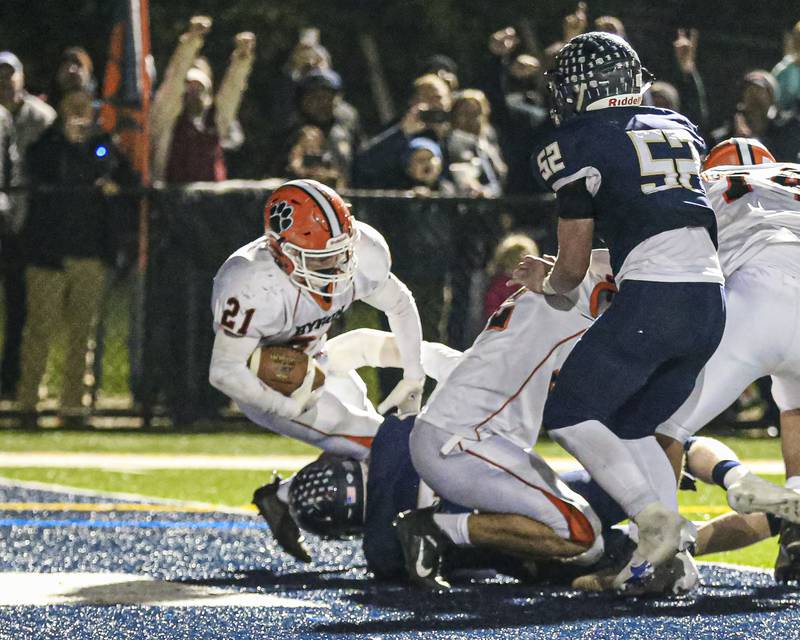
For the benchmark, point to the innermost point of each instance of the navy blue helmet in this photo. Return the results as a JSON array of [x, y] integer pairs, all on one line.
[[328, 497], [595, 70]]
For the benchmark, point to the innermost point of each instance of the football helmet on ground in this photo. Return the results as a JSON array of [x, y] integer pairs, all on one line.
[[328, 497], [311, 233], [593, 71]]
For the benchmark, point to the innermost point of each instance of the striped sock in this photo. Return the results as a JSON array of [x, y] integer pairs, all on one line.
[[722, 472]]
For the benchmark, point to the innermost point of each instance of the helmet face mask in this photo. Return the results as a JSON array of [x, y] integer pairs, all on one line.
[[325, 272], [328, 497], [312, 236], [594, 71]]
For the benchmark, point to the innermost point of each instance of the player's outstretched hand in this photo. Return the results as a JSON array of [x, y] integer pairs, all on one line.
[[530, 273], [406, 396]]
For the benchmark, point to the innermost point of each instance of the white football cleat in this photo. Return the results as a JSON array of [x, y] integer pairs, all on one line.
[[662, 534], [753, 494], [677, 577]]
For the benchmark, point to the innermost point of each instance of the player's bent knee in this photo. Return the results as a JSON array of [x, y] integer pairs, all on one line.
[[580, 527], [675, 431], [419, 443]]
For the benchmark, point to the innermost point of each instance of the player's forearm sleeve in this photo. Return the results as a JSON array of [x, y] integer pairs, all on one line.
[[396, 301], [362, 348], [373, 348], [230, 374]]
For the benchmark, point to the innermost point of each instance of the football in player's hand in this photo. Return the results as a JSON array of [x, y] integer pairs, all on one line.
[[284, 368]]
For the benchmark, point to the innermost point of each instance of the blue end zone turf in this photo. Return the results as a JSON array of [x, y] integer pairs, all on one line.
[[198, 558]]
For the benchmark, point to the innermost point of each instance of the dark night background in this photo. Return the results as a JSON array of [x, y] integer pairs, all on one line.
[[735, 36]]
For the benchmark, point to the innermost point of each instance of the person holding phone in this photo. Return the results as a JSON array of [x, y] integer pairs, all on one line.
[[310, 158], [322, 133], [380, 166]]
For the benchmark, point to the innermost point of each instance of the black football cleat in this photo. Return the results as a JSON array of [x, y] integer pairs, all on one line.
[[422, 541], [787, 565], [283, 527]]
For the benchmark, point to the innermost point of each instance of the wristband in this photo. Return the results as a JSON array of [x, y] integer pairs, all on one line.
[[547, 288]]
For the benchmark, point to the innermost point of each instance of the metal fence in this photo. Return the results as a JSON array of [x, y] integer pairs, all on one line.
[[440, 248], [148, 365]]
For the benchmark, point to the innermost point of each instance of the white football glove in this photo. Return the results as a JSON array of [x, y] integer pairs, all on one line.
[[288, 408], [305, 395], [406, 396]]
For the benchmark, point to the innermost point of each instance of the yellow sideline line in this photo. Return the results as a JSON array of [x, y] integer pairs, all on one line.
[[112, 506], [178, 508]]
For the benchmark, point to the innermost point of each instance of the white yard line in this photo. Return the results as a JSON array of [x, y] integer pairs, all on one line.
[[41, 589], [118, 495], [131, 462], [144, 461]]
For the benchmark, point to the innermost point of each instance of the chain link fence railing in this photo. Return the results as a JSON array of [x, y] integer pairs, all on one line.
[[440, 248], [148, 359]]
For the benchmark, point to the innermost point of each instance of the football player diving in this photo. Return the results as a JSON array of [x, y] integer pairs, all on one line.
[[286, 288]]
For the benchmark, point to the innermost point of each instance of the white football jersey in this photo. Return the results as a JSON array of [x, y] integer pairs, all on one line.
[[756, 206], [253, 297], [502, 381]]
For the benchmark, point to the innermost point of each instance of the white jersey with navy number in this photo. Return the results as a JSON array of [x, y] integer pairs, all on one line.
[[253, 297], [756, 206], [641, 166], [501, 382]]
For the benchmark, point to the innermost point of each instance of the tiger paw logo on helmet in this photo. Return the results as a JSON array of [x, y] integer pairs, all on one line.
[[312, 235], [280, 216]]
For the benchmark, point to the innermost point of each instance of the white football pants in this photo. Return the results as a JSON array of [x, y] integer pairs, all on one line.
[[494, 475], [343, 421], [762, 337]]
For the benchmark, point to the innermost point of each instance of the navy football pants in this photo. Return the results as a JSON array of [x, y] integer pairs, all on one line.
[[639, 361]]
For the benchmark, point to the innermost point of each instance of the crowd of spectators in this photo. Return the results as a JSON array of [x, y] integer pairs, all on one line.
[[70, 239], [190, 125], [467, 141]]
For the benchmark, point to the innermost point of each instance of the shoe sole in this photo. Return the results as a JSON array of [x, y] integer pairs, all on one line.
[[787, 507]]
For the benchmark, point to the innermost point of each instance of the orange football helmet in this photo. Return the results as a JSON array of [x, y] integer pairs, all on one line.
[[738, 151], [311, 233]]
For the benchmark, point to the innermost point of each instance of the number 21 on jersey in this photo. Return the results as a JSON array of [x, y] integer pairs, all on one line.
[[229, 317]]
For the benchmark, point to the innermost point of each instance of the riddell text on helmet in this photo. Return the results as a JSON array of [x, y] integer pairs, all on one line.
[[624, 101]]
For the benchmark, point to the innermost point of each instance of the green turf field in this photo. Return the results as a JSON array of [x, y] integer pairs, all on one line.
[[234, 487]]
